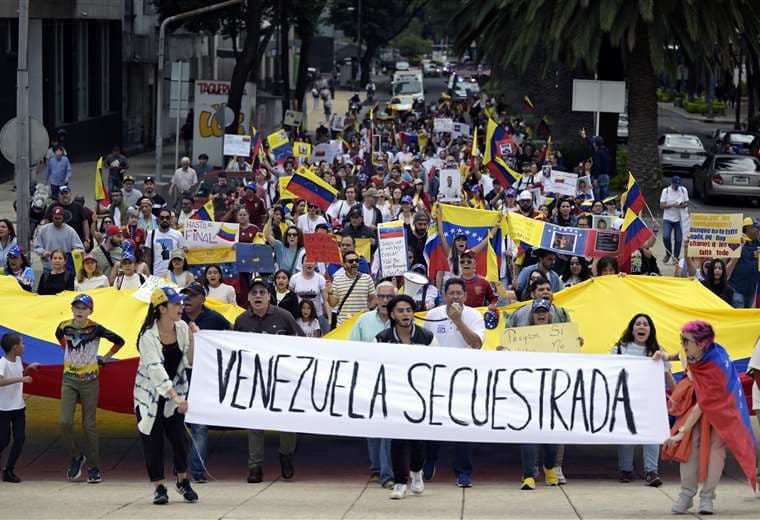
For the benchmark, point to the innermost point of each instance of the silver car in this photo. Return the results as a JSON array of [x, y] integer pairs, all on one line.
[[680, 152], [728, 175]]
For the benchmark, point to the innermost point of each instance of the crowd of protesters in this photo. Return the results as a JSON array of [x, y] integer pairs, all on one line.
[[387, 168]]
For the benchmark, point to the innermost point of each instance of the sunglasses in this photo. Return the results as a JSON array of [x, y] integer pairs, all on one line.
[[352, 260], [292, 235]]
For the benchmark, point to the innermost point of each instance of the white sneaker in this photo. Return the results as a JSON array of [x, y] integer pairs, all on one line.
[[560, 476], [416, 486], [398, 492]]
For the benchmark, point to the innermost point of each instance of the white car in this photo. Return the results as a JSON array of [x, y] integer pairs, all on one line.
[[681, 152], [402, 65]]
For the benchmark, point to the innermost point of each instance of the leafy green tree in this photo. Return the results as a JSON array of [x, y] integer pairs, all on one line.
[[411, 42], [646, 34]]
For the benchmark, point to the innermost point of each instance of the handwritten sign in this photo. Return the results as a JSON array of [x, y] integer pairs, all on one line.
[[203, 234], [715, 235], [392, 248], [321, 247], [151, 284], [556, 337]]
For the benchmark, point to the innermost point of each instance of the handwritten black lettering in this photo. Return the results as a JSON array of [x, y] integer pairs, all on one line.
[[335, 385], [452, 381], [410, 379], [380, 389], [292, 407], [238, 379], [272, 407], [434, 396], [554, 409], [314, 380], [597, 374], [623, 396], [354, 377], [475, 420], [494, 398], [224, 373], [579, 396], [521, 396], [258, 381]]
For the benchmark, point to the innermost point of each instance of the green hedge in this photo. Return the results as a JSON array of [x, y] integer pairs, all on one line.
[[699, 106]]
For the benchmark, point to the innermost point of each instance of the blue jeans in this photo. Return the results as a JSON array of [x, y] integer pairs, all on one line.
[[529, 457], [462, 462], [651, 457], [380, 458], [602, 189], [669, 229], [198, 449], [114, 184], [743, 301]]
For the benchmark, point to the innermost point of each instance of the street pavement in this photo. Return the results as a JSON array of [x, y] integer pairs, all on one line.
[[331, 481]]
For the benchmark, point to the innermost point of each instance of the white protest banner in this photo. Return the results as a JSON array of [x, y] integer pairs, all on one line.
[[324, 152], [561, 183], [331, 387], [459, 129], [204, 234], [149, 285], [715, 235], [237, 145], [443, 124], [392, 247], [556, 337]]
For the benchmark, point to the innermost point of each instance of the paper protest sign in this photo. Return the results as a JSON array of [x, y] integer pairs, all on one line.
[[321, 247], [556, 337], [451, 185], [237, 145], [204, 233], [392, 248], [443, 124], [715, 235], [331, 387], [293, 118], [149, 285], [561, 183]]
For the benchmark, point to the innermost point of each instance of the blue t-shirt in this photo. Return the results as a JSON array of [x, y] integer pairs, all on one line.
[[744, 277]]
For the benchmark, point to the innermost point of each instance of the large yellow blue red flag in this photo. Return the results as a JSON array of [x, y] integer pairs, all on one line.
[[632, 197], [498, 140], [309, 186]]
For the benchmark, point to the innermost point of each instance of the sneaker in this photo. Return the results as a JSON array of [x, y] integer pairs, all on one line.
[[682, 504], [75, 468], [160, 496], [398, 492], [187, 492], [528, 484], [374, 477], [416, 486], [286, 466], [200, 479], [626, 477], [667, 257], [463, 481], [388, 484], [561, 479], [428, 471], [255, 475], [706, 506], [653, 479], [94, 476], [550, 475], [10, 476]]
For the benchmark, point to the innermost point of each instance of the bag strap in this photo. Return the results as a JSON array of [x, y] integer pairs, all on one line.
[[350, 289], [295, 259], [106, 254], [152, 250]]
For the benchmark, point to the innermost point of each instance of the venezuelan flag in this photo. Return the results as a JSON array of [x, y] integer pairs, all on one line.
[[493, 159], [206, 212], [256, 148], [309, 186], [632, 197], [634, 234], [527, 106], [101, 193], [279, 145], [227, 233]]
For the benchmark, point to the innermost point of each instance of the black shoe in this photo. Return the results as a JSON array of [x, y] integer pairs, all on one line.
[[255, 475], [10, 476], [184, 489], [626, 477], [653, 479], [94, 476], [667, 257], [286, 466], [160, 496], [75, 468]]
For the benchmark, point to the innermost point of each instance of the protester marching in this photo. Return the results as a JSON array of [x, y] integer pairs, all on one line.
[[459, 251]]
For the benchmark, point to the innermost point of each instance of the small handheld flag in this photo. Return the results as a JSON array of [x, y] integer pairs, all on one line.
[[309, 186], [101, 194]]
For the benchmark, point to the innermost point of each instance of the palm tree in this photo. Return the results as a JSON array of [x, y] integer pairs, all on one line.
[[648, 34]]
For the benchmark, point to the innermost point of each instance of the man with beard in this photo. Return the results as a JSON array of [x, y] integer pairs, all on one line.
[[74, 214], [525, 205], [416, 236], [149, 190], [159, 243], [264, 318], [109, 252]]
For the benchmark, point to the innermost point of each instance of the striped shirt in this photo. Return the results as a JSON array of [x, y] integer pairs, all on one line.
[[357, 300]]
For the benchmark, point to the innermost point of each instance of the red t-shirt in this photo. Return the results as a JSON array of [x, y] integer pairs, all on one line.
[[257, 210], [248, 234], [478, 292]]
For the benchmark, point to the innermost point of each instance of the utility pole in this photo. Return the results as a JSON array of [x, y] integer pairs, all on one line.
[[23, 168], [160, 73], [359, 48]]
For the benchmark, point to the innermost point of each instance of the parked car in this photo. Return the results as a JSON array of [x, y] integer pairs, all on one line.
[[728, 175], [680, 152], [622, 129], [737, 142]]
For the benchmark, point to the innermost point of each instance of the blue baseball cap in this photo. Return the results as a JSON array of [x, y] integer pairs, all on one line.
[[84, 299], [675, 179], [541, 304], [250, 186], [406, 199], [14, 251], [127, 254], [163, 295]]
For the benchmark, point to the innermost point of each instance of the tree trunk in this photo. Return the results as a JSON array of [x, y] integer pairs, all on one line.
[[306, 32], [642, 119], [284, 55], [366, 60], [610, 68], [247, 61], [738, 100]]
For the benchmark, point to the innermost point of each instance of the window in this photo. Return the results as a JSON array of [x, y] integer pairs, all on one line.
[[736, 164]]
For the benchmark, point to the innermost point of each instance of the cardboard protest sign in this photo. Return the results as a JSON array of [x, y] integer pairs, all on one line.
[[149, 285], [715, 235], [392, 248], [556, 337], [321, 247], [254, 258]]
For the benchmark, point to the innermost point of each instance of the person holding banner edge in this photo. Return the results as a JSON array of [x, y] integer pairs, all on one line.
[[408, 456], [459, 326]]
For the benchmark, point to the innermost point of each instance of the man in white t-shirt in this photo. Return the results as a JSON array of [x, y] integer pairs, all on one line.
[[308, 223], [159, 243], [308, 285], [339, 209], [459, 326], [674, 202]]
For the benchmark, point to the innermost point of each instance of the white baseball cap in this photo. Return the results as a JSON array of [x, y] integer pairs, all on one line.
[[525, 195]]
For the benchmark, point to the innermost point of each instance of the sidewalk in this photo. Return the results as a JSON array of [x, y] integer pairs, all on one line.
[[727, 119], [332, 482]]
